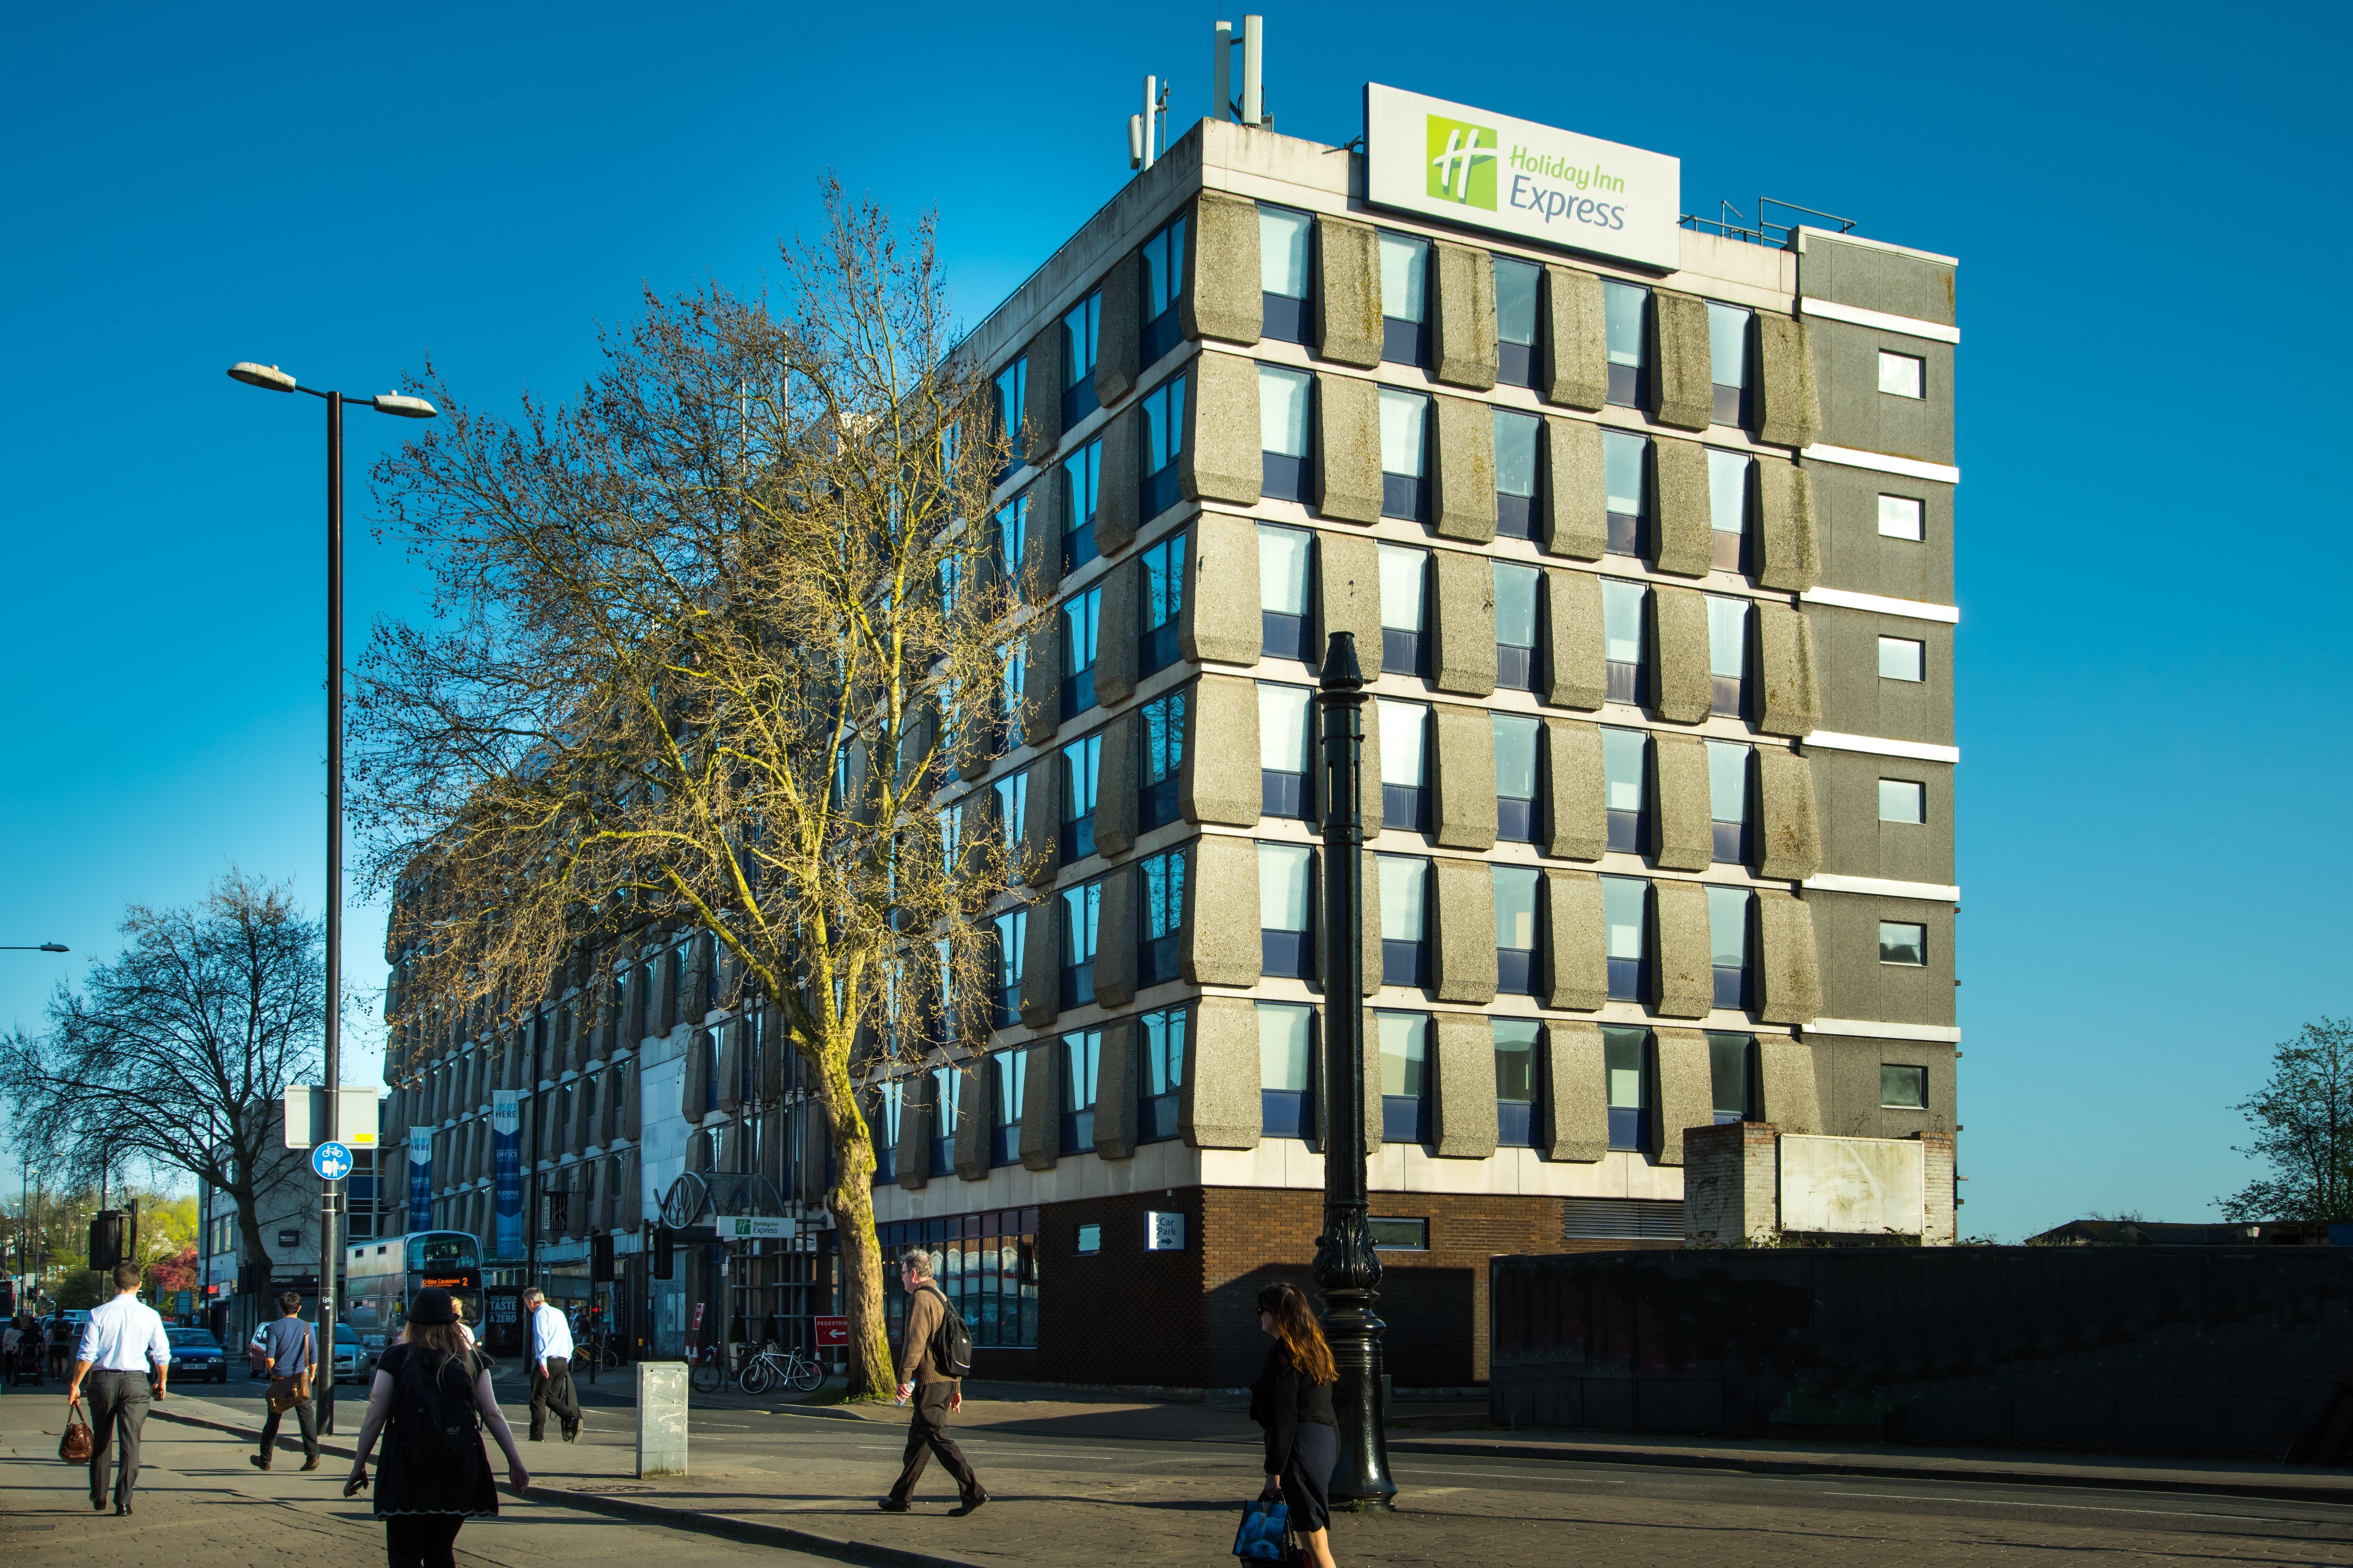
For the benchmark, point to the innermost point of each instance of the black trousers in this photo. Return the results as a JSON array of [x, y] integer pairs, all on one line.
[[422, 1539], [118, 1403], [552, 1391], [307, 1415], [927, 1435]]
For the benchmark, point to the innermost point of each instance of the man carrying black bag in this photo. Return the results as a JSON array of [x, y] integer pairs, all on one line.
[[933, 1374], [290, 1351]]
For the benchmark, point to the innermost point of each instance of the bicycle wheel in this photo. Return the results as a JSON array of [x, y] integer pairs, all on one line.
[[706, 1377], [757, 1376], [808, 1377]]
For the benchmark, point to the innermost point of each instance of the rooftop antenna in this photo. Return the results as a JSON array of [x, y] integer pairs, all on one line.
[[1252, 108], [1147, 135]]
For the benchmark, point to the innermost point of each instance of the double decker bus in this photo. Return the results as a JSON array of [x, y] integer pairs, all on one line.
[[380, 1277]]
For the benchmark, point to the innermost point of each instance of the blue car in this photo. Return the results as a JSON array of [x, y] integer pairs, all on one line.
[[197, 1355]]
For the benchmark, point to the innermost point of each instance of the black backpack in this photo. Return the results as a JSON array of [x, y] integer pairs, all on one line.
[[439, 1430], [952, 1341]]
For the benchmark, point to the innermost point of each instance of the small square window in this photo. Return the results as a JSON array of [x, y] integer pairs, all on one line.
[[1089, 1239], [1902, 1088], [1900, 375], [1902, 800], [1901, 658], [1901, 942], [1899, 517], [1400, 1234]]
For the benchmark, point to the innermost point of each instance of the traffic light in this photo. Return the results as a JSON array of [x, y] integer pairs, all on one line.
[[665, 1254], [600, 1259], [109, 1240]]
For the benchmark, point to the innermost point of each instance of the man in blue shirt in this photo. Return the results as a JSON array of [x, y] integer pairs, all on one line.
[[291, 1349], [121, 1342], [551, 1368]]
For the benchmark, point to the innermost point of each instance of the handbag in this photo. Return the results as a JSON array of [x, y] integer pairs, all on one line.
[[1264, 1535], [75, 1443]]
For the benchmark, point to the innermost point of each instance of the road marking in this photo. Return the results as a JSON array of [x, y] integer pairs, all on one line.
[[2090, 1508], [1512, 1475]]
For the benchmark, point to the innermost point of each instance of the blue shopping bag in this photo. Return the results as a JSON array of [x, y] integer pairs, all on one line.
[[1264, 1526]]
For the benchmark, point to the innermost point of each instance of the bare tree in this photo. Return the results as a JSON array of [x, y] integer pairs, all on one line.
[[700, 642], [2302, 1120], [176, 1054]]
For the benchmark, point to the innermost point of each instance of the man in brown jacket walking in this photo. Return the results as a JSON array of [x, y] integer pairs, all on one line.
[[934, 1393]]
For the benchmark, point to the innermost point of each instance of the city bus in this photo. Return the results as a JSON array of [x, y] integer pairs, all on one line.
[[380, 1277]]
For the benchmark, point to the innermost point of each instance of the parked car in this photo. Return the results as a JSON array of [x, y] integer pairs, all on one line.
[[197, 1355]]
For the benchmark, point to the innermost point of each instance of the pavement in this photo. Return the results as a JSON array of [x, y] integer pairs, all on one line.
[[1076, 1477]]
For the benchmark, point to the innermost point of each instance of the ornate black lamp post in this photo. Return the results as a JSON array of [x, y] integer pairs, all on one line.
[[1347, 1271]]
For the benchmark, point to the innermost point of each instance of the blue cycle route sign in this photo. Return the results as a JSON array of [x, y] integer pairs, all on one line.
[[332, 1162]]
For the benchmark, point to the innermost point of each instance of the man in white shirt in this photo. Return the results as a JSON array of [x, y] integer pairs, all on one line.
[[551, 1368], [122, 1340]]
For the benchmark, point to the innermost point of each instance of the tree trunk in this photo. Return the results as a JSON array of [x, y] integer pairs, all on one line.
[[248, 1226], [873, 1373]]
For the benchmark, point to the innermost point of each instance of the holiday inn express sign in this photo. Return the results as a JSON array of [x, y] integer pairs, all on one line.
[[1467, 166]]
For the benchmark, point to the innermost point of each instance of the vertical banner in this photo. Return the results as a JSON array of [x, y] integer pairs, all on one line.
[[420, 1178], [506, 1170]]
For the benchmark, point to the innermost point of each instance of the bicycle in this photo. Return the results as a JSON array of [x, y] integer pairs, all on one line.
[[769, 1367], [705, 1370]]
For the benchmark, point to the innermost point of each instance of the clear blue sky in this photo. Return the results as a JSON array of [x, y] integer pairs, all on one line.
[[2154, 636]]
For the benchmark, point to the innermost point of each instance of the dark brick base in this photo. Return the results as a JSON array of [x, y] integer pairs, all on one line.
[[1124, 1316]]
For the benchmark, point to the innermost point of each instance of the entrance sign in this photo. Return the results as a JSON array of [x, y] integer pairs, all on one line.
[[752, 1227], [1465, 165]]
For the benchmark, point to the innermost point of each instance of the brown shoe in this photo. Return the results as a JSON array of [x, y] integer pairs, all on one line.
[[258, 1461], [312, 1463]]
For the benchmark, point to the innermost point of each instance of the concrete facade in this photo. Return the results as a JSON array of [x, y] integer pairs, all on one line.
[[1826, 572]]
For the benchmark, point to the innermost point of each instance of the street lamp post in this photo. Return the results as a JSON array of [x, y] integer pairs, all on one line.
[[270, 378], [1347, 1271], [44, 947]]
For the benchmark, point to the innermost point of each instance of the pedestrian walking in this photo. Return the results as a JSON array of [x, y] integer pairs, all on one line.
[[60, 1343], [1293, 1400], [938, 1390], [33, 1352], [550, 1369], [121, 1341], [290, 1356], [429, 1401]]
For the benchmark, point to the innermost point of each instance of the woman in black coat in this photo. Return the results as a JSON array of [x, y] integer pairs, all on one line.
[[1293, 1400], [426, 1486]]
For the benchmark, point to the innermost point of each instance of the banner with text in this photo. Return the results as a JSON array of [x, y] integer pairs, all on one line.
[[1469, 165], [420, 1178], [506, 1170]]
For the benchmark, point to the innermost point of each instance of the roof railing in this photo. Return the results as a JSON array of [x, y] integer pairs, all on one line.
[[1733, 223]]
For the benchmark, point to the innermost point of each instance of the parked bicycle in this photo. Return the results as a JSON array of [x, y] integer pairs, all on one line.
[[772, 1368], [707, 1370]]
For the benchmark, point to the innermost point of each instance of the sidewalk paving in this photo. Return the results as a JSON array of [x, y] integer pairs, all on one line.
[[200, 1504], [1117, 1491], [1460, 1428]]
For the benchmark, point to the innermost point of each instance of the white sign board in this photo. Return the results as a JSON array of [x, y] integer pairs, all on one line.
[[752, 1227], [1163, 1232], [1854, 1186], [1471, 167], [306, 1116]]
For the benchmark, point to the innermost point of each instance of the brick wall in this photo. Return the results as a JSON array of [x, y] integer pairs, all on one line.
[[1435, 1303]]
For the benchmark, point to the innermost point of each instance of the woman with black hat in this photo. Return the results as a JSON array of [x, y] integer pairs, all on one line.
[[434, 1391]]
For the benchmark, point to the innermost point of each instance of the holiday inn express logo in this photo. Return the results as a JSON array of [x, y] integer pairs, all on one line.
[[1463, 161], [1463, 164]]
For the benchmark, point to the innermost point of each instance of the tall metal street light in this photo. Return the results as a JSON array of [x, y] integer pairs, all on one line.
[[270, 378], [1347, 1269]]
